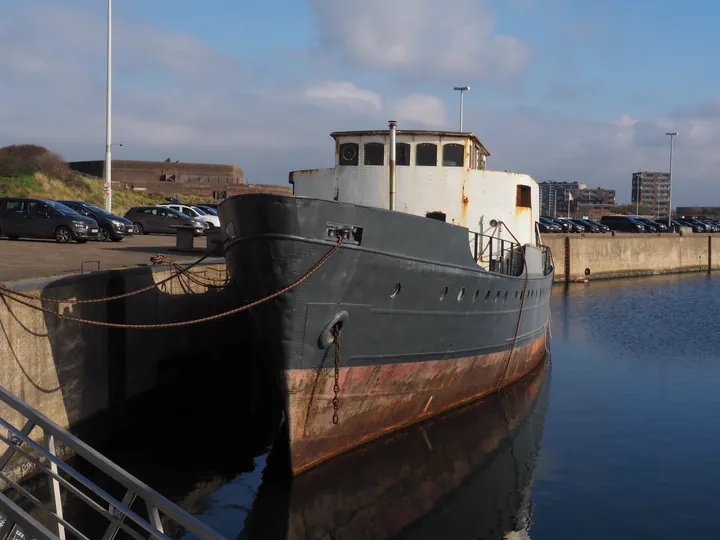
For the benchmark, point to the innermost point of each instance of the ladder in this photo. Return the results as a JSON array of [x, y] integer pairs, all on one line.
[[123, 517]]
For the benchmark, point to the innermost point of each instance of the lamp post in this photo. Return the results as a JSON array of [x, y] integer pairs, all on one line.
[[107, 190], [672, 139], [461, 89]]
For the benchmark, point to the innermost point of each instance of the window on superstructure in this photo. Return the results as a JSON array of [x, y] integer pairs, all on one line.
[[402, 154], [453, 155], [349, 154], [523, 198], [374, 153], [426, 155]]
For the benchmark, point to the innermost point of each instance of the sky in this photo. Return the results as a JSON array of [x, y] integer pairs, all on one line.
[[560, 89]]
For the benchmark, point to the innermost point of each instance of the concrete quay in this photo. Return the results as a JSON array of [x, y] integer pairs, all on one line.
[[602, 256], [86, 378]]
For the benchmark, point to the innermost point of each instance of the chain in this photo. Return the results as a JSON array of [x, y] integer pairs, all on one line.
[[158, 259], [180, 323], [336, 388]]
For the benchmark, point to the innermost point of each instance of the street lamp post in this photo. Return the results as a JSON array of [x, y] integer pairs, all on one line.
[[672, 139], [107, 190], [461, 89]]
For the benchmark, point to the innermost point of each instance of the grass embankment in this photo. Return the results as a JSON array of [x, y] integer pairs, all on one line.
[[33, 171]]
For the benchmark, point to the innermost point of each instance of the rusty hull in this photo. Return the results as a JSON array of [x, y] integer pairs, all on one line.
[[376, 400], [388, 485]]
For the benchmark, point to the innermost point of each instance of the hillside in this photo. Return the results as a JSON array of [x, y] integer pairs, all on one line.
[[34, 171]]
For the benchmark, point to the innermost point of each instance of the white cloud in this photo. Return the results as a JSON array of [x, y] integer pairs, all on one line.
[[342, 94], [417, 110], [52, 93], [428, 111], [625, 120], [422, 38]]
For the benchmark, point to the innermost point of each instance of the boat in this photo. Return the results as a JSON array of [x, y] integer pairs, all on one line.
[[465, 474], [406, 281]]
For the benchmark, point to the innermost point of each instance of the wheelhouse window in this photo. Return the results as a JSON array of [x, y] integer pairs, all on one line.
[[374, 153], [349, 154], [453, 155], [523, 198], [426, 155], [402, 154]]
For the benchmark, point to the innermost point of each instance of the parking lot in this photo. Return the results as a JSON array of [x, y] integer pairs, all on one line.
[[27, 259]]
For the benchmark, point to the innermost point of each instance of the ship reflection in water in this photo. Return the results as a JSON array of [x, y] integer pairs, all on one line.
[[466, 474]]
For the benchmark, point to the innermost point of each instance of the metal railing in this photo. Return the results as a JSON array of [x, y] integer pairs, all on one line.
[[497, 255], [67, 485], [504, 256]]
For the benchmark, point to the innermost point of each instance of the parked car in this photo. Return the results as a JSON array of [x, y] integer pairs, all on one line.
[[549, 226], [566, 227], [158, 219], [577, 227], [545, 228], [713, 226], [195, 213], [623, 223], [209, 209], [603, 228], [112, 227], [657, 226], [22, 217], [695, 228], [590, 227], [696, 222]]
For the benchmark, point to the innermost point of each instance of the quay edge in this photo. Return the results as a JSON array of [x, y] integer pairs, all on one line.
[[628, 255]]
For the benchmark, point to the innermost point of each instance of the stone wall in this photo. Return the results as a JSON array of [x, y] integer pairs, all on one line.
[[606, 256]]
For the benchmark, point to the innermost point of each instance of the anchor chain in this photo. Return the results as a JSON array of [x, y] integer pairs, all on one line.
[[336, 402]]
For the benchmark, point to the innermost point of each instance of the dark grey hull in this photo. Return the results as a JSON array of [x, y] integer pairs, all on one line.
[[424, 328]]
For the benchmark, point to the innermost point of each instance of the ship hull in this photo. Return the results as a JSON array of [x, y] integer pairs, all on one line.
[[423, 328]]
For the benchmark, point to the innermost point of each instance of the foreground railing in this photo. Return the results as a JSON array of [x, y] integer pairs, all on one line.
[[68, 486]]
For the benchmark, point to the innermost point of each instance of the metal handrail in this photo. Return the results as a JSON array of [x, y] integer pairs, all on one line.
[[45, 459], [502, 256]]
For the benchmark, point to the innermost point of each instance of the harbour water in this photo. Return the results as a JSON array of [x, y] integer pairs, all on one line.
[[616, 437]]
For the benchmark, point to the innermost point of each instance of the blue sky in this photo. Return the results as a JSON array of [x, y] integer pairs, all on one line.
[[560, 89]]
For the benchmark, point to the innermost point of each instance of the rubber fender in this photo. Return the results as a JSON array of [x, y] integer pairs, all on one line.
[[326, 338]]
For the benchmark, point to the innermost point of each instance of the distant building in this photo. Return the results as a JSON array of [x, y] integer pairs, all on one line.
[[177, 178], [652, 189], [594, 211], [557, 197], [594, 196]]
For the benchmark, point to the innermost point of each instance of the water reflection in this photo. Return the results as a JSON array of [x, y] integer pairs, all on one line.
[[467, 474]]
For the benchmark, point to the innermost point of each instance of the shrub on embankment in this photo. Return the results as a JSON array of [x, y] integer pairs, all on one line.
[[28, 170]]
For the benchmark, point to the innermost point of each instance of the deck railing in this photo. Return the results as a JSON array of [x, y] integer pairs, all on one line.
[[504, 256]]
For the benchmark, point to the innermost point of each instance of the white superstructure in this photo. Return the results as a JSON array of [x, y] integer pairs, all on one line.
[[439, 174]]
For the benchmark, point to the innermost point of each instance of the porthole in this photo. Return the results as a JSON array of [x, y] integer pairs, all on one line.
[[461, 293], [516, 294], [477, 293], [497, 296], [444, 293], [487, 296], [395, 290], [506, 293]]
